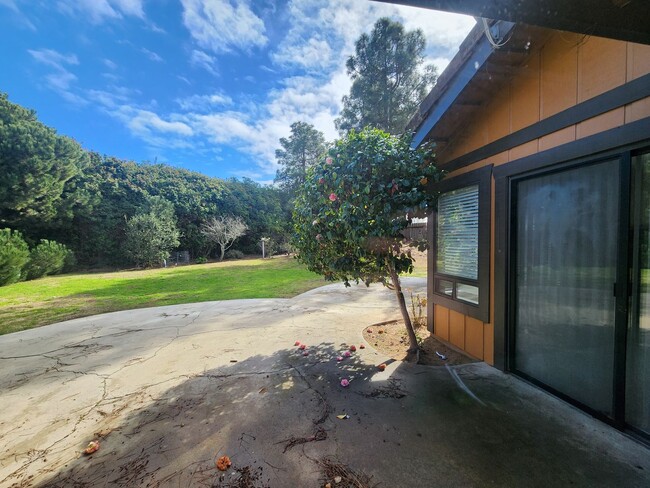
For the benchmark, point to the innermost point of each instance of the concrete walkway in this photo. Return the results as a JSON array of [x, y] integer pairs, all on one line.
[[168, 390]]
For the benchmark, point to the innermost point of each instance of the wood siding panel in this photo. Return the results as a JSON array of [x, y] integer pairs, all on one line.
[[606, 121], [559, 79], [488, 344], [524, 96], [474, 337], [523, 150], [637, 110], [457, 329], [601, 66], [558, 138], [498, 120], [441, 322], [638, 60]]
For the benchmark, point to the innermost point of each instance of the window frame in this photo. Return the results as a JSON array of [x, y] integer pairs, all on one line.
[[482, 178]]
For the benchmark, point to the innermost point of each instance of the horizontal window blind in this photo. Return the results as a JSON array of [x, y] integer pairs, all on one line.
[[457, 233]]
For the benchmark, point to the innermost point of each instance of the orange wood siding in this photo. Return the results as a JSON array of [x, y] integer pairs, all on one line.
[[559, 74], [466, 333], [457, 329], [638, 60], [601, 66], [441, 322], [474, 337]]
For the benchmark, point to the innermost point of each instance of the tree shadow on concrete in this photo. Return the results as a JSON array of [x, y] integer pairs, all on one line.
[[274, 416]]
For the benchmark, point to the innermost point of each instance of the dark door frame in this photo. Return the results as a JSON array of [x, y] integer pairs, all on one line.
[[619, 143]]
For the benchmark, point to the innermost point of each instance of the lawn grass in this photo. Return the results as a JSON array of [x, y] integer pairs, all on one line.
[[57, 298]]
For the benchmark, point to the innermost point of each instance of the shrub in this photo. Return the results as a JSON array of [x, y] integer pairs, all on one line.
[[201, 260], [14, 254], [47, 258], [234, 254]]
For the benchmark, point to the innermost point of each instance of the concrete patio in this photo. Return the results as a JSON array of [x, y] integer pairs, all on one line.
[[168, 390]]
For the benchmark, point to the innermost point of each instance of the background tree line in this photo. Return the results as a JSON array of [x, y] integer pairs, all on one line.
[[52, 189]]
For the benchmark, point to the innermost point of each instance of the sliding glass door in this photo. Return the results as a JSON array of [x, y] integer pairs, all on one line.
[[566, 226], [637, 384]]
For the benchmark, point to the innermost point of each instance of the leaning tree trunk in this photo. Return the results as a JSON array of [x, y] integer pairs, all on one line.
[[223, 251], [413, 354]]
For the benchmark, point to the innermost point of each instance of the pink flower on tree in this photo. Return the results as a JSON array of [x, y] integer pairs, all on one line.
[[333, 197], [328, 160]]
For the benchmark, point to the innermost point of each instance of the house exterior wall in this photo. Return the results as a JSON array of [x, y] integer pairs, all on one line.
[[567, 70]]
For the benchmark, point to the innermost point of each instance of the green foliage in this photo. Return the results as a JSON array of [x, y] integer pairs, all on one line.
[[37, 166], [52, 189], [47, 258], [388, 80], [235, 254], [14, 254], [261, 207], [201, 260], [151, 235], [351, 211], [299, 152]]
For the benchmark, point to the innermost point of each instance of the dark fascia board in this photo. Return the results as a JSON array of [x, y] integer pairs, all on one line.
[[626, 20], [446, 77], [472, 56]]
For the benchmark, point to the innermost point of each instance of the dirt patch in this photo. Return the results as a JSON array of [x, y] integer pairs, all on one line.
[[391, 339]]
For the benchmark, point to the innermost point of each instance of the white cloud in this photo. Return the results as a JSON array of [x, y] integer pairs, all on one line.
[[314, 53], [97, 11], [152, 55], [202, 103], [59, 79], [223, 25], [144, 122], [53, 58], [10, 4], [109, 64], [203, 60], [130, 7], [17, 14]]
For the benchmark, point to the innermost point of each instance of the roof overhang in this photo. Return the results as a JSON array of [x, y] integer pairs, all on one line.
[[627, 20], [474, 76]]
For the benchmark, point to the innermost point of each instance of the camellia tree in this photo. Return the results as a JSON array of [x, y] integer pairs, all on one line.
[[351, 211]]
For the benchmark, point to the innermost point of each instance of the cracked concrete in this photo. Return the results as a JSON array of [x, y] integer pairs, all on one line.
[[168, 390]]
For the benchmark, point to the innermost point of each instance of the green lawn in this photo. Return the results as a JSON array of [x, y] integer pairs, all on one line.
[[57, 298]]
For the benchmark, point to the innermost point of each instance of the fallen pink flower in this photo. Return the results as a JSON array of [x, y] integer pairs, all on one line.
[[306, 353], [353, 348], [362, 346], [302, 346], [333, 197], [328, 160], [345, 383], [297, 343], [339, 358], [347, 354]]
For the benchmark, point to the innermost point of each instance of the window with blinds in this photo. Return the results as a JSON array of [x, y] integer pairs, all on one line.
[[461, 244], [457, 233]]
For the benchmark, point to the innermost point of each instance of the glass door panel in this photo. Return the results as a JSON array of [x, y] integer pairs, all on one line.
[[566, 248], [637, 384]]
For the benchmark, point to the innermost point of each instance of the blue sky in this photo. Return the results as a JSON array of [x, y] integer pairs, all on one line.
[[208, 85]]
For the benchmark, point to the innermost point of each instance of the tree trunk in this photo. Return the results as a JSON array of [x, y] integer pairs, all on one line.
[[223, 251], [414, 349]]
